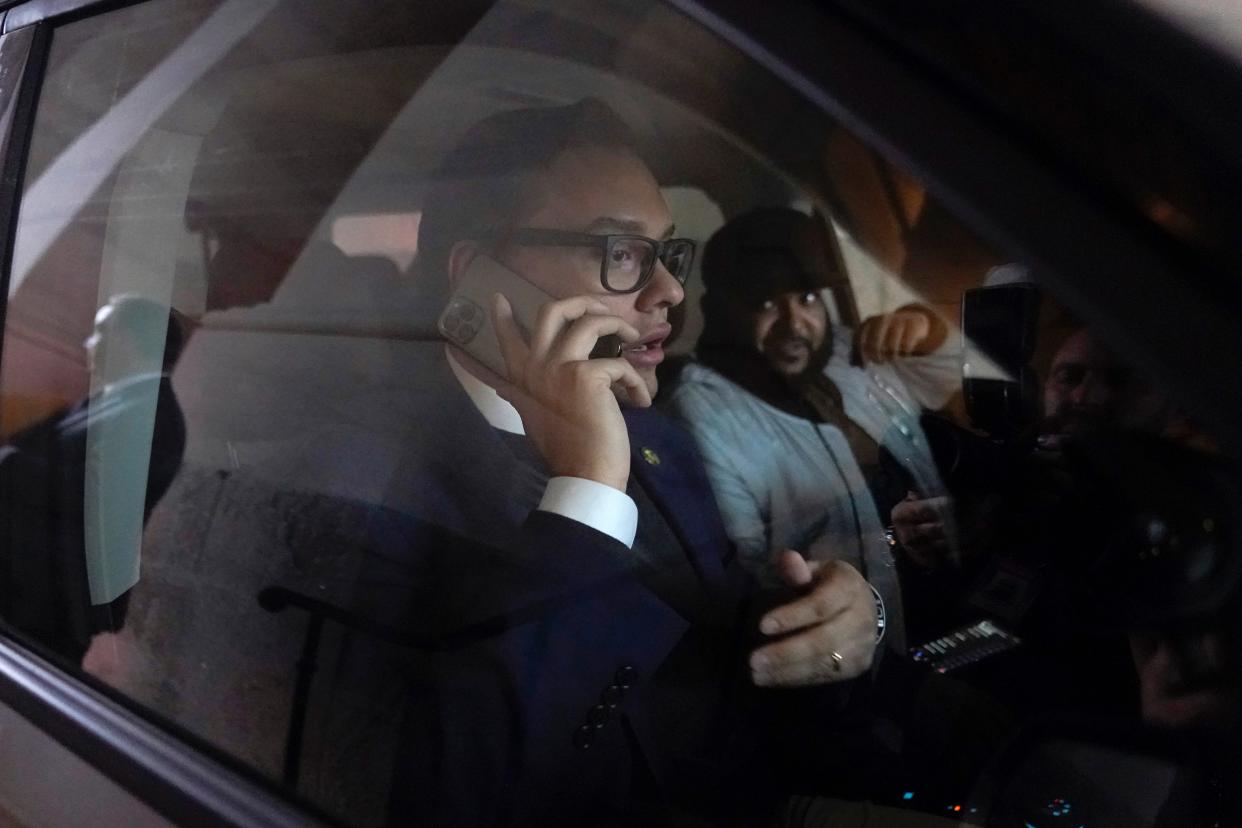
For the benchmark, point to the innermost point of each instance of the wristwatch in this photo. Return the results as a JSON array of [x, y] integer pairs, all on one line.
[[881, 617]]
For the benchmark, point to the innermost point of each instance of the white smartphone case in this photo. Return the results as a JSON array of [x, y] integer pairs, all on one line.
[[467, 320]]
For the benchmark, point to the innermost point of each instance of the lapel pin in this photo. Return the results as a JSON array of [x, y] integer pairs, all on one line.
[[650, 456]]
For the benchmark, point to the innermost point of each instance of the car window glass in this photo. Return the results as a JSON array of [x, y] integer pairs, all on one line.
[[245, 489]]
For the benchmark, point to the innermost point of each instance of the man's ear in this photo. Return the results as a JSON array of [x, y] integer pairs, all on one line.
[[459, 258]]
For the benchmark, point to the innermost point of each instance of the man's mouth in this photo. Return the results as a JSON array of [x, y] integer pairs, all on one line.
[[648, 351], [1078, 419], [792, 348], [1201, 706]]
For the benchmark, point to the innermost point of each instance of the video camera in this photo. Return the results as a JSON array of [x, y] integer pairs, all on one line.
[[1142, 528]]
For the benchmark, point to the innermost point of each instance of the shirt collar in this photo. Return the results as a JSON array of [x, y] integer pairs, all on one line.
[[497, 411]]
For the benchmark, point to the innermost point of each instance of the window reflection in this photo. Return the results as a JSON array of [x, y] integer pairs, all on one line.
[[244, 486]]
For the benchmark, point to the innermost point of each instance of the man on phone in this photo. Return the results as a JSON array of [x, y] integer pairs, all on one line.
[[596, 661]]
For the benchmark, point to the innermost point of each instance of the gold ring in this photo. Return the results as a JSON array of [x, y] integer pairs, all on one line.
[[837, 658]]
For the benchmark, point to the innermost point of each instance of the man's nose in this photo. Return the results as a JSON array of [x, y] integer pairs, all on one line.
[[1094, 391], [797, 316], [662, 291], [1084, 391]]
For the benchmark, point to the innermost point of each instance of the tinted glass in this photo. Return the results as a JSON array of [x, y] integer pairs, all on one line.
[[246, 487]]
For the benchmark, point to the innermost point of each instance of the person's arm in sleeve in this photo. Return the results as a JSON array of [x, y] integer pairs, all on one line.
[[540, 646], [742, 506], [597, 505], [515, 716], [920, 347], [826, 631]]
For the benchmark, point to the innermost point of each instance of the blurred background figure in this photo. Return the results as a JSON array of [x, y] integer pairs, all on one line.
[[79, 486], [1088, 389]]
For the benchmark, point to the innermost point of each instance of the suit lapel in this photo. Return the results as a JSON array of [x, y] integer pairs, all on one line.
[[463, 472], [664, 464], [458, 472]]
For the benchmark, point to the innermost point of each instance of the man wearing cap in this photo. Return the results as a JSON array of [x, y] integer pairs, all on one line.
[[791, 432]]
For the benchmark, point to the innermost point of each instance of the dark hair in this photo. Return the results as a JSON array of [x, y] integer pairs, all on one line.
[[484, 184], [757, 255]]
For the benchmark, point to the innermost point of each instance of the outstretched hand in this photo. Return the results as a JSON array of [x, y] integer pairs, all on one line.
[[827, 634]]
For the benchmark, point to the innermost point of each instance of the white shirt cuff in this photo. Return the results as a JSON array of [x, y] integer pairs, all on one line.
[[597, 505]]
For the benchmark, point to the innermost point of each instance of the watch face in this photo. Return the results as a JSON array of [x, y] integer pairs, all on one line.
[[881, 616]]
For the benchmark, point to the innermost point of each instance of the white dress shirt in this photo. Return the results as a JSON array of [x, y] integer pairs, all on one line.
[[595, 504]]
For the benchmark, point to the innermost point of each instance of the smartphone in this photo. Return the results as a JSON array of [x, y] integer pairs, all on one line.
[[965, 646], [467, 321]]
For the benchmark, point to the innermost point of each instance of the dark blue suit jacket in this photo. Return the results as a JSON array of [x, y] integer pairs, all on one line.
[[563, 690]]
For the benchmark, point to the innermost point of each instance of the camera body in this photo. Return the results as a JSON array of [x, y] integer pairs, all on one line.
[[999, 324], [1136, 531]]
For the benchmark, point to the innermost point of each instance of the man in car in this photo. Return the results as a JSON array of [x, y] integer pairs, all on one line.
[[1188, 673], [791, 431], [1088, 389], [593, 658]]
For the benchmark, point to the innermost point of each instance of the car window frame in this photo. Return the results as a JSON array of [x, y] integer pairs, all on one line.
[[178, 776]]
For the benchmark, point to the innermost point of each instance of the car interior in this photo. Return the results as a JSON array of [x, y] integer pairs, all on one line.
[[257, 171]]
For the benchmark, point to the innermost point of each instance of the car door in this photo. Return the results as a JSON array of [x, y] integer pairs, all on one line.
[[214, 299]]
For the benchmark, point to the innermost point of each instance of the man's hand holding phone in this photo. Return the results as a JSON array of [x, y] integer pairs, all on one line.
[[565, 398]]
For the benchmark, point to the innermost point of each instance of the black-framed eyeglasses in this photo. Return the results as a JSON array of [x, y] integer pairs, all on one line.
[[627, 261]]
